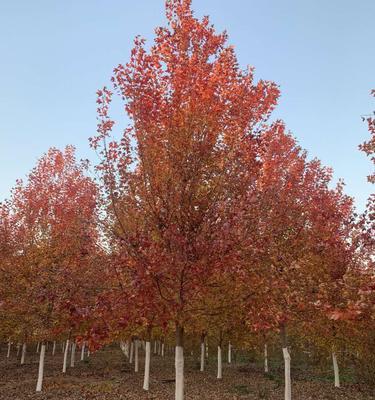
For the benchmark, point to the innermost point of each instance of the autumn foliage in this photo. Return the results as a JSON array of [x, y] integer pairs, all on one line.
[[207, 219]]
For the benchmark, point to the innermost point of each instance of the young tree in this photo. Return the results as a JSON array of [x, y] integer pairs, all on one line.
[[195, 119], [55, 225], [294, 218]]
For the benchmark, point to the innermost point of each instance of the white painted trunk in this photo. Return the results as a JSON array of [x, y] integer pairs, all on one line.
[[136, 361], [336, 370], [288, 383], [146, 380], [9, 346], [41, 368], [131, 351], [265, 359], [179, 366], [83, 351], [229, 353], [66, 349], [207, 348], [219, 363], [202, 356], [23, 354], [73, 355], [54, 348], [162, 349]]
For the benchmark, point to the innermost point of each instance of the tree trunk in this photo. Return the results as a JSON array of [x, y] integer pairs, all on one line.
[[18, 349], [202, 353], [179, 363], [9, 345], [41, 367], [54, 348], [136, 363], [288, 386], [265, 359], [229, 353], [219, 357], [73, 355], [146, 381], [219, 363], [127, 349], [286, 355], [37, 347], [66, 349], [162, 349], [23, 354], [131, 351], [83, 351], [336, 370]]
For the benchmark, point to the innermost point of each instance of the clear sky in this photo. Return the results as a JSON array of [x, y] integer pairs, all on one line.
[[55, 54]]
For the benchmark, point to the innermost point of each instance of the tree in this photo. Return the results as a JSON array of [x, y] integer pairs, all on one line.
[[195, 119], [294, 221], [54, 216]]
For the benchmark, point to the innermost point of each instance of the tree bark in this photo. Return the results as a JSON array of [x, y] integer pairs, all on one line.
[[73, 355], [286, 355], [202, 352], [131, 351], [146, 381], [336, 370], [83, 351], [179, 363], [23, 354], [66, 349], [9, 346], [127, 349], [39, 383], [136, 363], [219, 357], [219, 363]]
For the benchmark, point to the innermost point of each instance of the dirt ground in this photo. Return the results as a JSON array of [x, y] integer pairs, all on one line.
[[107, 375]]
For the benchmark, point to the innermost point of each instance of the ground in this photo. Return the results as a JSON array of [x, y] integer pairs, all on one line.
[[107, 375]]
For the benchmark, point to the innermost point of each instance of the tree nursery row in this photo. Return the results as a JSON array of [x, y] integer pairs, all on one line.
[[203, 222]]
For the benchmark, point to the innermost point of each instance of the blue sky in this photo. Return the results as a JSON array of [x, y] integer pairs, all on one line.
[[56, 54]]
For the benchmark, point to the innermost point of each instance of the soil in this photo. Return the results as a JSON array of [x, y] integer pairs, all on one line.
[[107, 375]]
